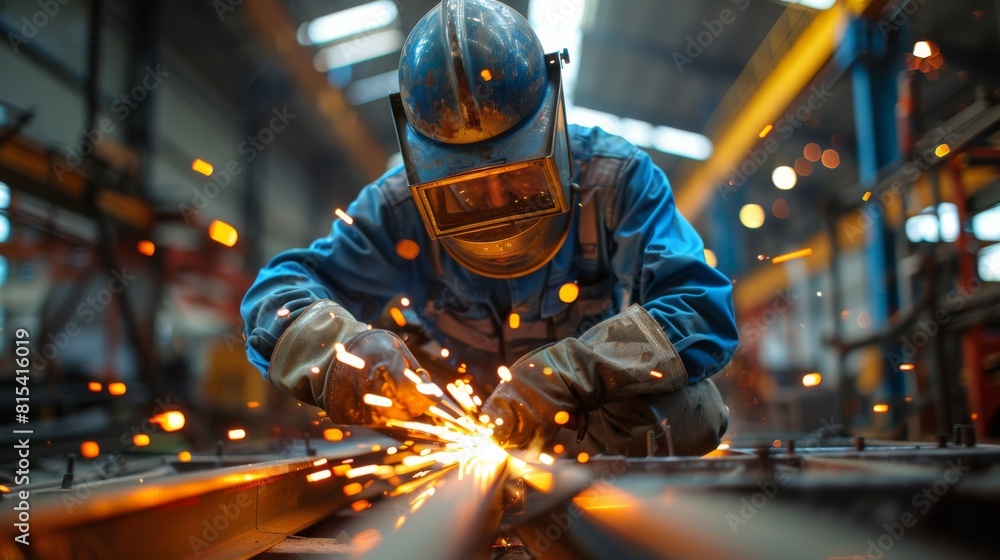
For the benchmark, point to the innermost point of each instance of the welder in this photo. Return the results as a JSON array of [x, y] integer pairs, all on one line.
[[552, 250]]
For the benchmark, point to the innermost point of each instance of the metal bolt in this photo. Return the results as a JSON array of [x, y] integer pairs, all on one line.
[[218, 450], [67, 481], [650, 443], [790, 445], [669, 435], [859, 443], [956, 435], [310, 452], [969, 435], [942, 440]]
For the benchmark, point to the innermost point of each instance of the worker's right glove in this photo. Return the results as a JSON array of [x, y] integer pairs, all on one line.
[[623, 357], [309, 363]]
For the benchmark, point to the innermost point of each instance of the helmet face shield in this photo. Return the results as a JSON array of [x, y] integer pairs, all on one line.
[[522, 175], [485, 199]]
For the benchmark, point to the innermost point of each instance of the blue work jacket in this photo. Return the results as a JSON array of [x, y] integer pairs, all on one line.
[[645, 253]]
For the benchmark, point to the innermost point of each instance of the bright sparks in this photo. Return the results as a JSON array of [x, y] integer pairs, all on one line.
[[430, 389], [94, 387], [170, 421], [397, 317], [343, 216], [236, 434], [792, 256], [90, 449], [201, 166], [568, 292], [880, 408], [319, 475], [412, 376], [907, 367], [146, 247], [811, 379], [561, 417], [504, 374], [117, 389], [223, 233], [333, 434], [514, 321], [377, 400], [346, 357]]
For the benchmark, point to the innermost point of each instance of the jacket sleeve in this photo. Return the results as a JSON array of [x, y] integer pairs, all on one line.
[[659, 260], [355, 266]]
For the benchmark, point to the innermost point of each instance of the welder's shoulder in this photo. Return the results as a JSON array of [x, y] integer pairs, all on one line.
[[392, 186], [590, 142], [602, 157]]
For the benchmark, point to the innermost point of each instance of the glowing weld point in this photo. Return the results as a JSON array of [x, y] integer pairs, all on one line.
[[504, 373], [412, 376], [343, 216], [377, 400], [319, 475], [545, 458], [346, 357]]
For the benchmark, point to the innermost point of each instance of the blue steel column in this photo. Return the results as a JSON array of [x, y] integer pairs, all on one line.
[[875, 60]]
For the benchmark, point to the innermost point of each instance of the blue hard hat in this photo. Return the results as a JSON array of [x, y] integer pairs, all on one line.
[[470, 70]]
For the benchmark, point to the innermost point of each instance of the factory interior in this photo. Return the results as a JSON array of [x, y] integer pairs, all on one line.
[[840, 159]]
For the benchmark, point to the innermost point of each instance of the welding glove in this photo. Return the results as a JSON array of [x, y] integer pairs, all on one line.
[[305, 363], [618, 359]]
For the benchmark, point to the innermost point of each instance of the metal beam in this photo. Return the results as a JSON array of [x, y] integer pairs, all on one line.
[[776, 91], [455, 517], [270, 21]]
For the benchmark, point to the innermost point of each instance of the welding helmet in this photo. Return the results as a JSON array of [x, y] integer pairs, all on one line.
[[482, 130]]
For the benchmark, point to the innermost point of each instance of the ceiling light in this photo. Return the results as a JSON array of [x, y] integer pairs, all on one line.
[[348, 23], [814, 4], [374, 88], [371, 46]]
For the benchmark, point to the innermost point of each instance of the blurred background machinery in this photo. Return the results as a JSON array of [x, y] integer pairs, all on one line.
[[839, 157]]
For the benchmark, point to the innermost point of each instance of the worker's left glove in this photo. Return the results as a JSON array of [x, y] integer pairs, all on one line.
[[318, 359], [623, 357]]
